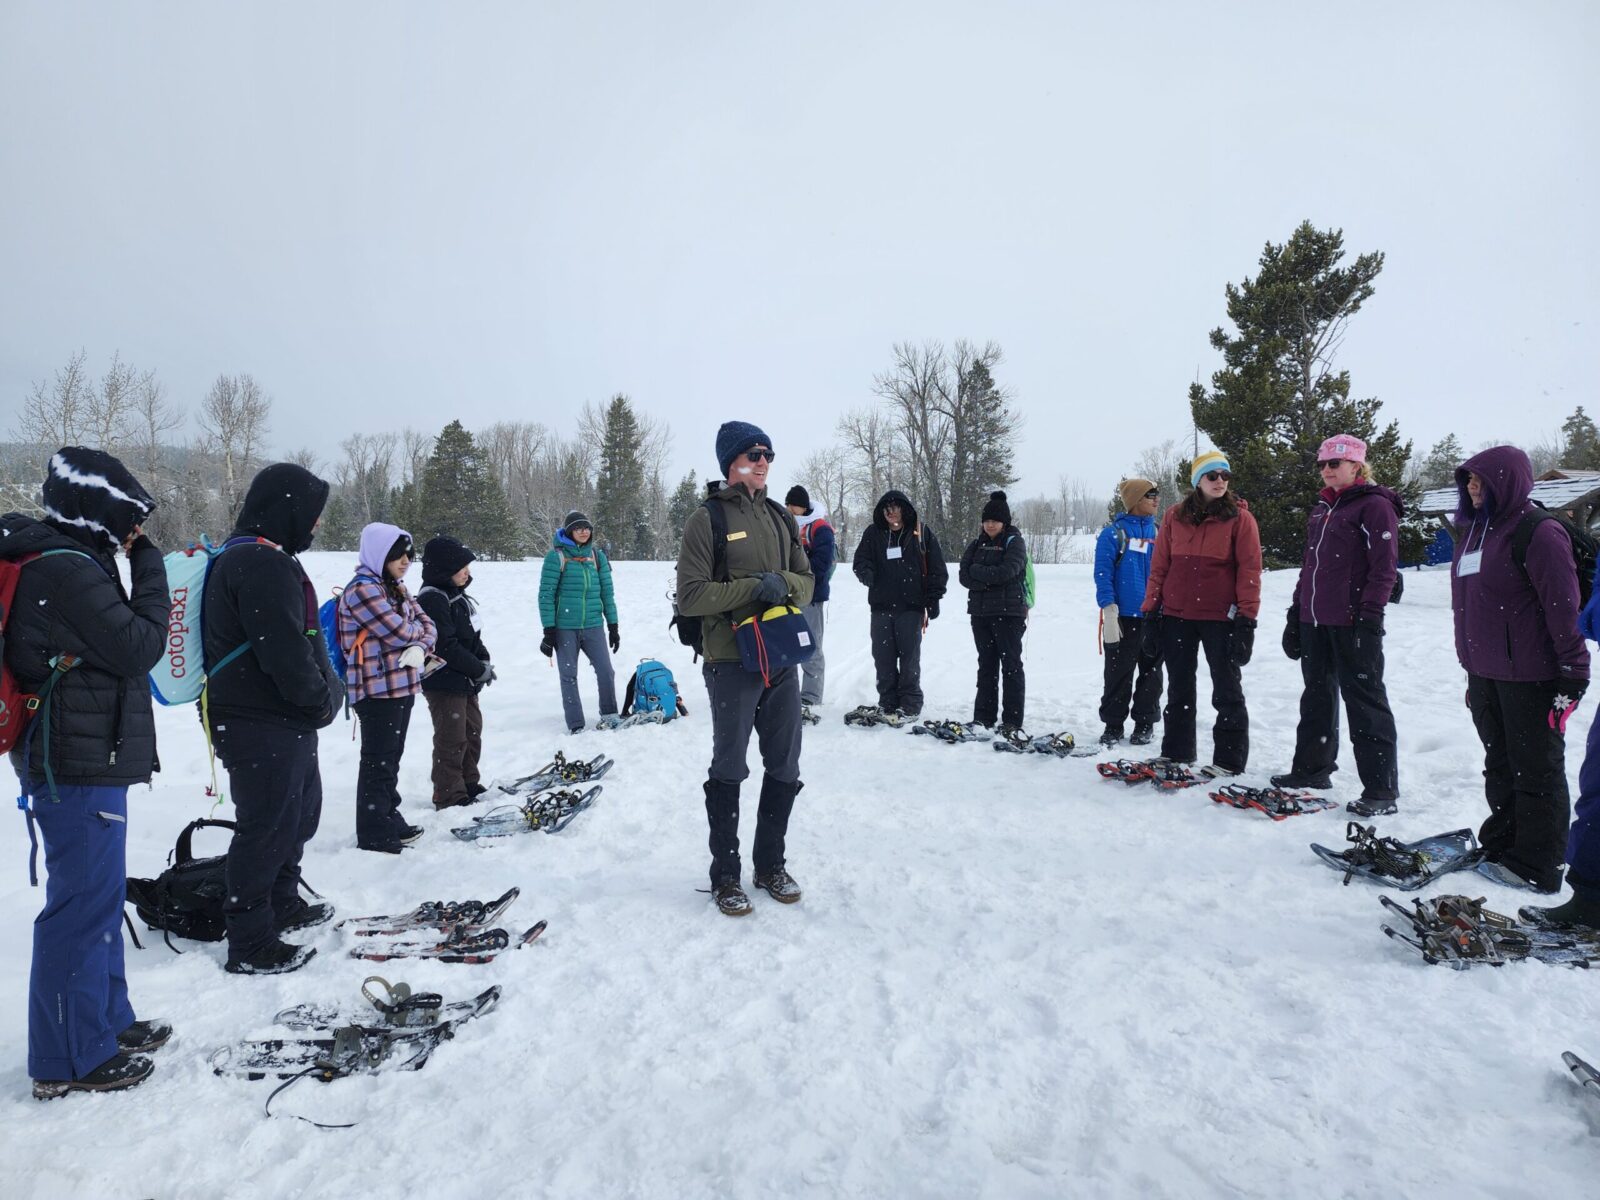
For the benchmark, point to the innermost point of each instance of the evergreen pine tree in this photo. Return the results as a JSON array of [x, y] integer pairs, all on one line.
[[461, 496], [981, 454], [1439, 467], [1580, 442], [621, 518], [1277, 396], [685, 499]]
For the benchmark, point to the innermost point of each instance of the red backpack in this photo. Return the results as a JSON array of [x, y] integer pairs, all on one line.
[[17, 707]]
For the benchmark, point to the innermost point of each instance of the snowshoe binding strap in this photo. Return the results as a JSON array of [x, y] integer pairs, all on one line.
[[1171, 776], [1059, 744], [400, 1006], [1387, 856], [1128, 770]]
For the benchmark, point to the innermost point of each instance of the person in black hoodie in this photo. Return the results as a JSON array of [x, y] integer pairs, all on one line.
[[271, 687], [452, 690], [83, 645], [993, 570], [903, 567]]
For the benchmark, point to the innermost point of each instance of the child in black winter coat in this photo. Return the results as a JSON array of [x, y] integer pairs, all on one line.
[[994, 571], [452, 690]]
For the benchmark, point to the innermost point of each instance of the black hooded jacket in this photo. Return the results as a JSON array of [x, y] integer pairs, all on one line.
[[102, 732], [993, 571], [453, 614], [258, 593], [902, 570]]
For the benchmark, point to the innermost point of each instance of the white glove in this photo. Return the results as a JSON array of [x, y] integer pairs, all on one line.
[[1111, 634], [413, 656]]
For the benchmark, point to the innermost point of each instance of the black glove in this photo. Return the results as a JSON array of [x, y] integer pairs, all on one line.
[[488, 676], [1373, 626], [1243, 640], [771, 588], [1150, 633], [933, 610], [1291, 635], [616, 639], [548, 646], [142, 542]]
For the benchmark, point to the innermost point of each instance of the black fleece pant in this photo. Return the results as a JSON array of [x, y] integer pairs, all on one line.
[[276, 786], [1524, 777], [741, 703], [897, 655], [383, 743], [1136, 653], [999, 641], [1181, 643], [1345, 660]]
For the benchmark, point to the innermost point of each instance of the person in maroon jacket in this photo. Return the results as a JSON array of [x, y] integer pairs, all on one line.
[[1335, 628], [1514, 589]]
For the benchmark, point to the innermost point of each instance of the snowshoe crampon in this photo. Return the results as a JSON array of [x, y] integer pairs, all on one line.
[[1460, 932], [1277, 803], [549, 811], [1405, 865], [1061, 745], [952, 731], [434, 914], [558, 772]]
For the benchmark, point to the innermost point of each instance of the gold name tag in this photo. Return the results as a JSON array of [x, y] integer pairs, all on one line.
[[736, 535]]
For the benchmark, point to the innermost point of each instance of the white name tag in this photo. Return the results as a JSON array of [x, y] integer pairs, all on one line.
[[892, 553], [1139, 545], [803, 638], [1470, 563]]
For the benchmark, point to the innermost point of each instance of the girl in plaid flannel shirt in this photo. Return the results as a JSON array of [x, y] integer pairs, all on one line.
[[386, 639]]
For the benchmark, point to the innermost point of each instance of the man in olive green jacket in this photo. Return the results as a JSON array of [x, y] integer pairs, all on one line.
[[764, 564]]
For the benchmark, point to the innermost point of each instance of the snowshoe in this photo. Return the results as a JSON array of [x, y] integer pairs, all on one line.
[[435, 914], [559, 771], [953, 731], [1460, 933], [1405, 865], [459, 946], [550, 811], [1059, 744], [1126, 770], [808, 715], [863, 716], [398, 1007], [1276, 803], [1582, 1072], [612, 721]]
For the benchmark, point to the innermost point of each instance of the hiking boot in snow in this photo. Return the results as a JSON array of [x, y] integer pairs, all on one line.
[[477, 789], [780, 885], [276, 958], [1510, 877], [608, 721], [115, 1074], [731, 900], [1581, 912], [408, 834], [1217, 771], [144, 1036], [305, 916], [1296, 781], [1372, 806], [1112, 737], [1144, 733]]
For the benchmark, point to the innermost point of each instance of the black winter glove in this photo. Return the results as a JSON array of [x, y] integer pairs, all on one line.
[[1243, 639], [548, 646], [772, 588], [142, 542], [933, 610], [616, 639], [1372, 626], [1291, 636]]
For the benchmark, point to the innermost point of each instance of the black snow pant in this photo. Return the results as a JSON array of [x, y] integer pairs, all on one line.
[[999, 641], [1524, 778], [897, 655], [1136, 653], [383, 743], [742, 703], [1181, 642], [1345, 660], [276, 785]]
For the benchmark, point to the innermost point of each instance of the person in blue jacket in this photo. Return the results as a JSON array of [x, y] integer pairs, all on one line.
[[816, 538], [1132, 642]]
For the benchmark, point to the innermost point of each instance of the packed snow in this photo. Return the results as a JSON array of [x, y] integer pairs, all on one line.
[[1008, 978]]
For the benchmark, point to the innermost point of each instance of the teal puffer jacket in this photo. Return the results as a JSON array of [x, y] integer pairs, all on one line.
[[575, 586]]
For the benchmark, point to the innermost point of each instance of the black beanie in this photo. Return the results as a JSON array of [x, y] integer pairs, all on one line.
[[576, 520], [798, 497], [93, 490], [996, 508], [442, 557]]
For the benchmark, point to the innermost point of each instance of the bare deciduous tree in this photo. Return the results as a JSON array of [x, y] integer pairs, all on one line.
[[915, 391], [55, 414], [233, 423]]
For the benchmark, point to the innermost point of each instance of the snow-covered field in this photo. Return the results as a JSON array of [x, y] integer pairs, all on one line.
[[1007, 978]]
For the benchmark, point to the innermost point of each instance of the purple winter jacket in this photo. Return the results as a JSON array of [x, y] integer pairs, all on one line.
[[1352, 552], [1514, 625]]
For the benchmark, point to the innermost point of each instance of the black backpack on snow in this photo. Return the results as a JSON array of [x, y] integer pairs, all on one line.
[[1585, 550], [186, 898], [689, 631]]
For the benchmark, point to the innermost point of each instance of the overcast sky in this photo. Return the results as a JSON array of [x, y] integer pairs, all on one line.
[[400, 213]]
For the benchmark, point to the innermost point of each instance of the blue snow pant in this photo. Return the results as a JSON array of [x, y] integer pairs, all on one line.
[[1583, 840], [592, 642], [78, 991]]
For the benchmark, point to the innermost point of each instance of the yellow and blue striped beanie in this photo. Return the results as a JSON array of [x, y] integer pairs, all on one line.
[[1211, 460]]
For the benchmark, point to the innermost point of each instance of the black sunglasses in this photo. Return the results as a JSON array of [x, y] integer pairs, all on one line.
[[1330, 464], [1213, 476], [1153, 494], [758, 455]]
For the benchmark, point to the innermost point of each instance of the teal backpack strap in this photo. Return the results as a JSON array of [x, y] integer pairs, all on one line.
[[59, 666]]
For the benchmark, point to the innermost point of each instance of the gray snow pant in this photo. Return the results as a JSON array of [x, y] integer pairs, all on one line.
[[897, 654], [593, 643], [740, 703], [813, 667]]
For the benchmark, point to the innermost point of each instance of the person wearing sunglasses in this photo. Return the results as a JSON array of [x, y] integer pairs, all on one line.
[[386, 638], [756, 562], [1131, 639], [1335, 629], [902, 565], [1514, 592], [1205, 583]]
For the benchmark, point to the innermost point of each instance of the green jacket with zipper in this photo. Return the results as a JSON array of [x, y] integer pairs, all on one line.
[[575, 586]]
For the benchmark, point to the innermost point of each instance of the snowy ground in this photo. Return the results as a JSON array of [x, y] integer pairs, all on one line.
[[1007, 978]]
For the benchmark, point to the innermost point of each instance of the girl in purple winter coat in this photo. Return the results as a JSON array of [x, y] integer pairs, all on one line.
[[1335, 628], [1514, 589]]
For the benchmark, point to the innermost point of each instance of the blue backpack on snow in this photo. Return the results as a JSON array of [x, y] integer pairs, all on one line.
[[652, 689]]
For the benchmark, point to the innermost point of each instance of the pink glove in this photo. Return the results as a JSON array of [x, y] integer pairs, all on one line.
[[1561, 710]]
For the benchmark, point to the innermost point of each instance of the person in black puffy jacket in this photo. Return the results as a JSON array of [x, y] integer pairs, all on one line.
[[993, 570], [452, 690], [903, 567], [84, 645], [265, 707]]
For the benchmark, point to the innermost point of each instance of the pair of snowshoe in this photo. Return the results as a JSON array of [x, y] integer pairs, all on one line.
[[1278, 803], [1163, 773], [559, 772], [1459, 932], [550, 811], [613, 721], [462, 931], [1061, 745], [1404, 865], [868, 716]]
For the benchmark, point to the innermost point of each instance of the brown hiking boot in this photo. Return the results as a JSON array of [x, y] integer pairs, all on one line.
[[780, 885], [115, 1074], [731, 900]]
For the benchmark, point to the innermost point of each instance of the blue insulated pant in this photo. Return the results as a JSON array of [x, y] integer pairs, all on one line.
[[1583, 840], [78, 991], [592, 642]]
